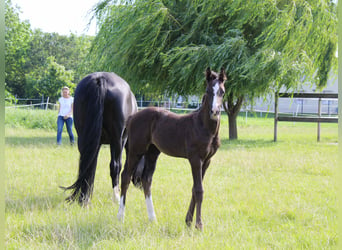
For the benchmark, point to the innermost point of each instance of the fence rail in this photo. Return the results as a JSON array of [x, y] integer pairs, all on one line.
[[318, 118], [309, 95], [32, 106], [307, 119]]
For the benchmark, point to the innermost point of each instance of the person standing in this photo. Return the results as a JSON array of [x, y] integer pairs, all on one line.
[[66, 103]]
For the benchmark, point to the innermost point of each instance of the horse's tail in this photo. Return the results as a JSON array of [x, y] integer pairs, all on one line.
[[88, 107]]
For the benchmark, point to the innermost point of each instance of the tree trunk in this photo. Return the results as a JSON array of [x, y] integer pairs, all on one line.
[[232, 109], [233, 133]]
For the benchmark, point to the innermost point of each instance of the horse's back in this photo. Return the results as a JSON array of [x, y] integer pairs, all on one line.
[[166, 130], [105, 94], [115, 89], [173, 134], [109, 80]]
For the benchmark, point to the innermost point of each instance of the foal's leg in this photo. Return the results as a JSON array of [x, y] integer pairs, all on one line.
[[150, 165], [126, 175], [190, 213]]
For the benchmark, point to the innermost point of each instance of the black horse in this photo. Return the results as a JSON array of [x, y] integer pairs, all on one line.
[[102, 103]]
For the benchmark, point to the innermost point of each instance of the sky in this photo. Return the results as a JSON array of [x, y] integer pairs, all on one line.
[[60, 16]]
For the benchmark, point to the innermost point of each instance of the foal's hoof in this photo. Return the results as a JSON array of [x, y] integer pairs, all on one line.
[[152, 219], [121, 216], [188, 219], [199, 226]]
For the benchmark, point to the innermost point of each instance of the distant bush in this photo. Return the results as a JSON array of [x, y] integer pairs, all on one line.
[[31, 118]]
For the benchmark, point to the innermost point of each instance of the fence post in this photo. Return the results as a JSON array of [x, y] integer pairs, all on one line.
[[47, 103], [42, 103], [275, 115], [318, 123]]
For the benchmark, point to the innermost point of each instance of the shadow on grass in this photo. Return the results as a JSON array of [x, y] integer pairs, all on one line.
[[36, 141], [257, 143], [34, 203]]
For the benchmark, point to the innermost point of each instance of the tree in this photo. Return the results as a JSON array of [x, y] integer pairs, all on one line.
[[17, 38], [49, 80], [165, 45], [70, 51], [27, 54]]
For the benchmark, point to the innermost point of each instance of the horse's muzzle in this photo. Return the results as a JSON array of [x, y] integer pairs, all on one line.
[[215, 114]]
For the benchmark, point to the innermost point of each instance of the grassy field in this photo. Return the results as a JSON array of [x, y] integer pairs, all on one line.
[[258, 194]]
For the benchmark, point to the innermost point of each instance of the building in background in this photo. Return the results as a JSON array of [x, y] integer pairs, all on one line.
[[297, 106]]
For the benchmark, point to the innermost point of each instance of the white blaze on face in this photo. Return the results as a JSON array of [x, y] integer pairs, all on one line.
[[215, 105]]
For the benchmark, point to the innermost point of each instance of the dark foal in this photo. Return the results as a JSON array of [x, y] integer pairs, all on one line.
[[193, 136]]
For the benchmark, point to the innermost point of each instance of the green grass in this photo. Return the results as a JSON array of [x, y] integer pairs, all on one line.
[[31, 118], [258, 194]]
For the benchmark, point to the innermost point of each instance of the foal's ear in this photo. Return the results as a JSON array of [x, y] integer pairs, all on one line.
[[208, 74], [222, 76]]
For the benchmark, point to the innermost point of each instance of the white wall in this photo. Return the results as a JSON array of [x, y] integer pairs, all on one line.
[[298, 106]]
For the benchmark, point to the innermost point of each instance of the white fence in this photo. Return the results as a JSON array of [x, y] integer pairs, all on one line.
[[295, 106], [33, 103]]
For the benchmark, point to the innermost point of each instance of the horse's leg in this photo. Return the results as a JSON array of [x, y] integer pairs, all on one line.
[[198, 170], [115, 168], [126, 175], [198, 191], [118, 137], [150, 165], [190, 213]]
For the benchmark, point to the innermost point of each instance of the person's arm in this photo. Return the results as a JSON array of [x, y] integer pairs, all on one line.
[[72, 108], [59, 106], [70, 113]]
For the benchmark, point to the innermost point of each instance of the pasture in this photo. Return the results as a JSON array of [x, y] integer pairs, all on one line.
[[257, 194]]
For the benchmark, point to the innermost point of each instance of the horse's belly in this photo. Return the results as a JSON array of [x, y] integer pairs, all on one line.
[[169, 147], [173, 153]]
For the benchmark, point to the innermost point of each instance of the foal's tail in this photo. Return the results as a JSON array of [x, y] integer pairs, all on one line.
[[139, 169], [88, 117], [137, 175]]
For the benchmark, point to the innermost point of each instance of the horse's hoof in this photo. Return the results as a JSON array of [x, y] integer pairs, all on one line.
[[116, 195], [85, 203]]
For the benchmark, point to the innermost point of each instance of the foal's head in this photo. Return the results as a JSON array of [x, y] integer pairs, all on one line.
[[215, 91]]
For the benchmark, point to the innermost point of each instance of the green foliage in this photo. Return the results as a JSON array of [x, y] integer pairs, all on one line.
[[31, 119], [68, 51], [164, 46], [17, 38], [49, 81], [263, 45], [28, 57], [9, 96]]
